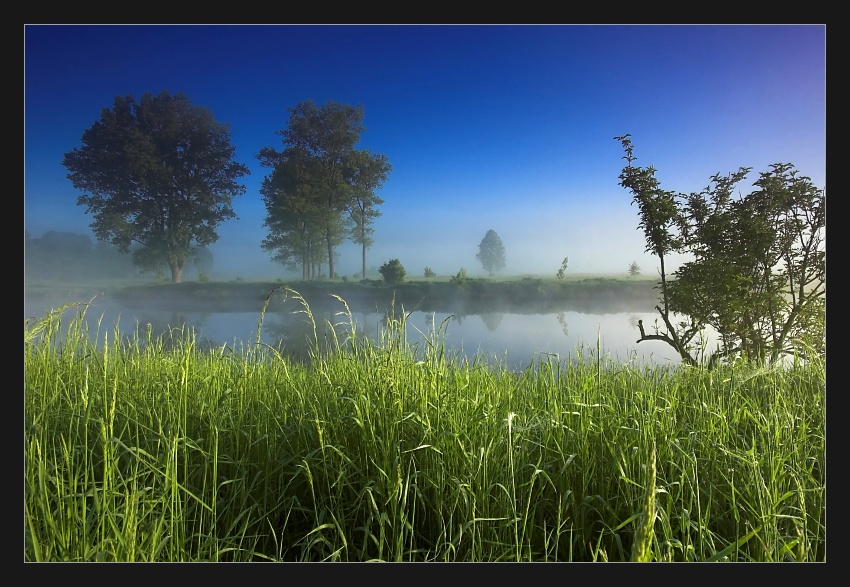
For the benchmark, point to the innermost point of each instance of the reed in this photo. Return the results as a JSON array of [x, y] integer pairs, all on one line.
[[146, 448]]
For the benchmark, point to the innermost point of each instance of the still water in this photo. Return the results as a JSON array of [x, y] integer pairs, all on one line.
[[509, 339]]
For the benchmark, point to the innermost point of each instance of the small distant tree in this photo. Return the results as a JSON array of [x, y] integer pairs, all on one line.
[[634, 269], [393, 272], [203, 261], [461, 279], [491, 252], [563, 270], [429, 272]]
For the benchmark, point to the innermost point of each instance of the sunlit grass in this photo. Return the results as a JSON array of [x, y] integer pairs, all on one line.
[[146, 448]]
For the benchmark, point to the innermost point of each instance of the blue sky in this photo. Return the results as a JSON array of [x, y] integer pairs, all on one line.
[[503, 127]]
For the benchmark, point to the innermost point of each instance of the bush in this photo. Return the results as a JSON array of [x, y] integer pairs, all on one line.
[[461, 279], [393, 271], [429, 272]]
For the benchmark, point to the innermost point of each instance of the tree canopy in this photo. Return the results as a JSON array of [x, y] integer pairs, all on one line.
[[491, 252], [159, 173], [757, 277], [321, 188]]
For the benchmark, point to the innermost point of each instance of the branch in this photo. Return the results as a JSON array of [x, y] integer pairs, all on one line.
[[644, 336]]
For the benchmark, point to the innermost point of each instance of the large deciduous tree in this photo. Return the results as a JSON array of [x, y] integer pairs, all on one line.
[[491, 252], [159, 173], [758, 271], [321, 188]]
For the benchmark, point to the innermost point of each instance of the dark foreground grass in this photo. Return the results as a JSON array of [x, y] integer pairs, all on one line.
[[146, 449]]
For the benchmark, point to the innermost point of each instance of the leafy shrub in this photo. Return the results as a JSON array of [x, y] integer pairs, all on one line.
[[393, 271], [429, 272], [461, 279]]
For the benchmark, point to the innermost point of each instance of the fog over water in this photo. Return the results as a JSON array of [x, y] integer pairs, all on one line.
[[511, 339]]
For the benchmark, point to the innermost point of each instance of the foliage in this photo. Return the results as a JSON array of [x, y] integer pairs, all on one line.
[[158, 173], [491, 252], [320, 189], [67, 256], [461, 279], [429, 272], [203, 261], [562, 272], [758, 271], [393, 272], [365, 174], [634, 269]]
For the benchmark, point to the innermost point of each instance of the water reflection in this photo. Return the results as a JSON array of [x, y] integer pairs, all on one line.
[[562, 320], [492, 320], [512, 339]]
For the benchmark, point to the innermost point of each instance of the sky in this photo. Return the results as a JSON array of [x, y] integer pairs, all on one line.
[[502, 127]]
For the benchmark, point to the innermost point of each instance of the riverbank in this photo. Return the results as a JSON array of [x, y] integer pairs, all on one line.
[[523, 295]]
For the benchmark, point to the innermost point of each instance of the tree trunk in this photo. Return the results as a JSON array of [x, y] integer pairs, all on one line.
[[330, 259], [176, 271], [364, 261]]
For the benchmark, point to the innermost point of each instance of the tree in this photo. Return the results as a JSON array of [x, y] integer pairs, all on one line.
[[460, 279], [634, 269], [292, 213], [562, 272], [204, 261], [758, 271], [321, 188], [69, 256], [58, 255], [491, 252], [159, 173], [393, 272], [366, 173]]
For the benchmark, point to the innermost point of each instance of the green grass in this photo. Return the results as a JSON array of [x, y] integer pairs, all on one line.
[[150, 449]]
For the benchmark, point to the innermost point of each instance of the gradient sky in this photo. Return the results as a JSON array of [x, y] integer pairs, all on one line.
[[503, 127]]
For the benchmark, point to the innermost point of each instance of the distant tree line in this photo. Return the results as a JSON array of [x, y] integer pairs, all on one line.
[[68, 256]]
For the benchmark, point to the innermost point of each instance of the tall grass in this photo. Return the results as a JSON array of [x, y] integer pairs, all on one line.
[[147, 448]]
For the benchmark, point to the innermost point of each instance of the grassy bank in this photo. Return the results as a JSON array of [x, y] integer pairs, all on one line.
[[380, 450], [535, 295]]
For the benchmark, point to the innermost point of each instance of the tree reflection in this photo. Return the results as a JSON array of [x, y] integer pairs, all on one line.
[[562, 320], [173, 331], [458, 317], [295, 334], [492, 320]]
